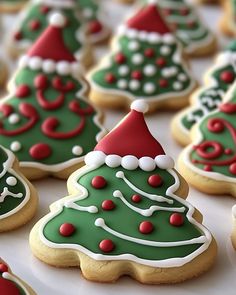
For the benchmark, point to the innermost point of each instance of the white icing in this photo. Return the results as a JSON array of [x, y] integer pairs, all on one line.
[[182, 77], [14, 119], [165, 50], [177, 85], [122, 84], [77, 150], [57, 20], [133, 46], [12, 181], [5, 193], [169, 72], [139, 105], [137, 59], [10, 277], [147, 164], [234, 211], [113, 161], [56, 3], [149, 88], [134, 84], [87, 12], [90, 209], [164, 162], [149, 70], [123, 70], [15, 146], [129, 162]]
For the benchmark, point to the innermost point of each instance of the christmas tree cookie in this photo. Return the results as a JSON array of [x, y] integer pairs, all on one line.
[[18, 198], [146, 62], [34, 20], [189, 29], [93, 15], [11, 284], [228, 21], [126, 214], [46, 120], [218, 79], [209, 163], [11, 6]]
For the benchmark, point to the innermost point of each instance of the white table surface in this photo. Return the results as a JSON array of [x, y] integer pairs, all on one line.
[[47, 280]]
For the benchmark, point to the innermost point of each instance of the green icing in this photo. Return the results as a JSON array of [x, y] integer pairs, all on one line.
[[99, 76], [10, 202], [223, 162], [123, 219], [34, 13], [21, 291], [68, 121]]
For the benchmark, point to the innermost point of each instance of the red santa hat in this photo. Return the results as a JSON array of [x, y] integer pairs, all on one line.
[[130, 144]]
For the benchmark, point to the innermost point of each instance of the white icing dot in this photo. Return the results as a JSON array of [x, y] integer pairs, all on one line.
[[139, 105], [57, 20], [120, 174], [169, 72], [129, 162], [169, 39], [147, 164], [122, 84], [143, 35], [12, 181], [14, 119], [149, 70], [87, 12], [134, 84], [123, 70], [23, 61], [92, 209], [63, 68], [35, 63], [99, 222], [77, 150], [164, 162], [96, 158], [153, 38], [133, 46], [49, 66], [113, 161], [15, 146], [165, 50], [177, 85], [182, 77], [132, 33], [149, 88], [137, 59]]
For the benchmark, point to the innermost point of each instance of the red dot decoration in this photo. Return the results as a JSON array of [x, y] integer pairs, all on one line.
[[41, 82], [161, 62], [40, 151], [155, 180], [6, 109], [120, 58], [149, 52], [3, 268], [98, 182], [106, 245], [232, 168], [227, 77], [136, 198], [67, 229], [44, 9], [22, 91], [136, 75], [207, 168], [18, 36], [146, 227], [163, 83], [176, 219], [95, 27], [110, 78], [108, 205], [34, 25], [228, 151], [184, 11]]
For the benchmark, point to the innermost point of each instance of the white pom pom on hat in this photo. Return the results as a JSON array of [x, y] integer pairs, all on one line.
[[57, 20], [140, 106]]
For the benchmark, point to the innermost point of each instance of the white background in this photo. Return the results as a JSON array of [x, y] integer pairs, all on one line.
[[47, 280]]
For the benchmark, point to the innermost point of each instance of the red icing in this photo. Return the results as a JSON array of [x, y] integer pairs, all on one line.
[[207, 168], [146, 227], [34, 25], [184, 11], [67, 229], [110, 78], [209, 149], [120, 58], [18, 36], [149, 52], [122, 140], [44, 9], [22, 91], [215, 125], [136, 75], [40, 151], [108, 205], [148, 19], [232, 168], [228, 108], [106, 245], [8, 287], [167, 11], [75, 107], [98, 182], [94, 27], [41, 81], [155, 180], [136, 198], [3, 267], [176, 219], [163, 83], [191, 24], [6, 109], [228, 151], [227, 76], [161, 62]]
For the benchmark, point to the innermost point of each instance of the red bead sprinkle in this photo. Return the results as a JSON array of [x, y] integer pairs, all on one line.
[[207, 168], [6, 109], [40, 81], [227, 76], [228, 151], [136, 75], [95, 27], [18, 36], [155, 180], [106, 245], [176, 219], [146, 227], [98, 182], [44, 9], [22, 91], [67, 229], [120, 58], [161, 62], [163, 83], [136, 198], [3, 268], [108, 205], [34, 25], [232, 168], [149, 52], [40, 151], [110, 78]]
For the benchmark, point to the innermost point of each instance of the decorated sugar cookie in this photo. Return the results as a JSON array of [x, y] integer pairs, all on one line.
[[209, 163], [18, 198], [34, 20], [94, 16], [11, 284], [130, 200], [218, 79], [228, 22], [11, 6], [46, 120], [145, 62]]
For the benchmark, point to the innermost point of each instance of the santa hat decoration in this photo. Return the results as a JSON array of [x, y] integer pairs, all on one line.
[[7, 286], [148, 25], [131, 145], [49, 53]]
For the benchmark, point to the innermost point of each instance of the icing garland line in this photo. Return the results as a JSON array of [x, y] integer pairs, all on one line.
[[10, 277], [172, 262], [6, 193], [56, 3]]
